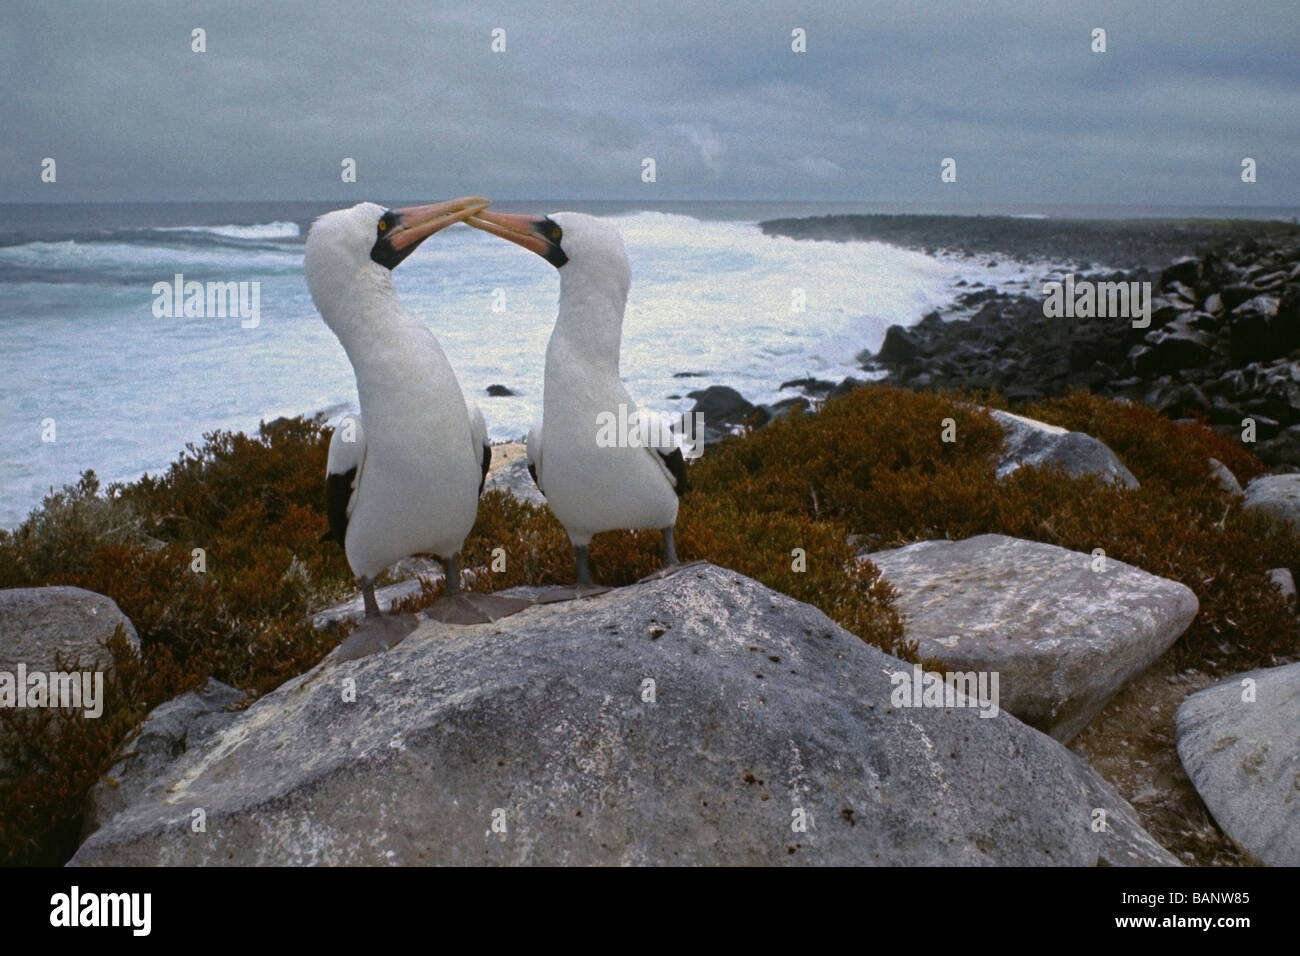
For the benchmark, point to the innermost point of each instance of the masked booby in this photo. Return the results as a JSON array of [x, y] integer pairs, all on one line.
[[405, 478], [592, 485]]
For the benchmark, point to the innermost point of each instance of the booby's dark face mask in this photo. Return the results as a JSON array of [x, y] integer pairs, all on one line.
[[400, 231], [540, 235]]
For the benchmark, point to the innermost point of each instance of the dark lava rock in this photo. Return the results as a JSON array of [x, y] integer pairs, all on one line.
[[1265, 427], [1233, 295], [1186, 270], [846, 386], [1281, 449], [1177, 400], [900, 345], [1250, 332], [1172, 349], [1223, 412], [1163, 311], [1286, 321], [786, 406], [975, 298], [809, 384], [499, 391], [724, 407]]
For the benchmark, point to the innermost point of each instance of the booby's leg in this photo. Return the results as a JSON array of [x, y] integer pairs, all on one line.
[[671, 564], [584, 569], [377, 632], [368, 597], [584, 588], [451, 574], [670, 553], [461, 607]]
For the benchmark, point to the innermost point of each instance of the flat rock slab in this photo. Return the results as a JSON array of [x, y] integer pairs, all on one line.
[[513, 478], [1062, 637], [168, 730], [695, 719], [1277, 496], [1035, 443], [1243, 757]]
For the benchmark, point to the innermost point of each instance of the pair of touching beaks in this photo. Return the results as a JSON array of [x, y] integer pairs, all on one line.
[[414, 224]]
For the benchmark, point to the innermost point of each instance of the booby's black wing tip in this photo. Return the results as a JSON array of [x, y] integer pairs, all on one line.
[[338, 492], [487, 465], [676, 463]]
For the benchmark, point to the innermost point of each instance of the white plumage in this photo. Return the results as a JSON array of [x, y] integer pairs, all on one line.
[[419, 456], [593, 484]]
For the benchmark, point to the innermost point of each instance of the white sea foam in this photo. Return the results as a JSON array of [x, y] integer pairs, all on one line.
[[261, 230], [88, 257]]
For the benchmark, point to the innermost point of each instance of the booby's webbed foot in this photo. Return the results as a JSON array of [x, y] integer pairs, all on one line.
[[375, 634], [465, 608], [668, 571]]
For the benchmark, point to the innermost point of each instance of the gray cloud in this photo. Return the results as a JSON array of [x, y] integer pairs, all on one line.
[[712, 91]]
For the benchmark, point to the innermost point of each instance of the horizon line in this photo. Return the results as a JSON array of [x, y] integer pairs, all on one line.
[[552, 199]]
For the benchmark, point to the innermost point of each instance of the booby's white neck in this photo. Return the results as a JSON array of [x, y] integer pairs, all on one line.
[[590, 321], [362, 308]]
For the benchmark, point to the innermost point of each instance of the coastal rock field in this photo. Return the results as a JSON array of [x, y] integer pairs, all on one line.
[[1222, 343]]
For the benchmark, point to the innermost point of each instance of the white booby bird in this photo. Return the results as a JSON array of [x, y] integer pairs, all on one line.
[[591, 485], [406, 477]]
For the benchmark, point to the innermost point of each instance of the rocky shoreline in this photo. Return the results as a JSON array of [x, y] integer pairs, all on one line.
[[1222, 344]]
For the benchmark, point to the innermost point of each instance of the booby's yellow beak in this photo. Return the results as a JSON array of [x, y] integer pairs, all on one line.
[[417, 223], [535, 233]]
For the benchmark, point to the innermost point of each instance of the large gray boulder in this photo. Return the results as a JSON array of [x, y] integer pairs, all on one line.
[[167, 732], [1062, 636], [36, 624], [1277, 496], [696, 719], [1243, 757], [1035, 443]]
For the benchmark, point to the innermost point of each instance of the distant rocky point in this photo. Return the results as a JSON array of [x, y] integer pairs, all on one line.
[[1130, 243]]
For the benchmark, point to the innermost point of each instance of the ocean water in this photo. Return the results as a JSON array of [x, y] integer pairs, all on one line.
[[711, 297]]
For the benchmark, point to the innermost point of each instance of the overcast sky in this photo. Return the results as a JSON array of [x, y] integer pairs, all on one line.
[[413, 92]]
